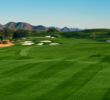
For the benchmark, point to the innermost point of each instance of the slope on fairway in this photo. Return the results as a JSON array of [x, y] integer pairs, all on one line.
[[78, 69]]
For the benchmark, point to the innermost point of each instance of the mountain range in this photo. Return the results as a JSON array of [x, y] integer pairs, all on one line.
[[27, 26], [1, 26]]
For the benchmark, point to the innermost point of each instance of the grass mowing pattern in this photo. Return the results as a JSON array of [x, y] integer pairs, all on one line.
[[76, 70], [107, 95], [74, 83]]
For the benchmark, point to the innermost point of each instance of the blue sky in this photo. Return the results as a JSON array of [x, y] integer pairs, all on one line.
[[61, 13]]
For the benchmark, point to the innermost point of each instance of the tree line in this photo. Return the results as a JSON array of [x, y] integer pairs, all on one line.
[[7, 33]]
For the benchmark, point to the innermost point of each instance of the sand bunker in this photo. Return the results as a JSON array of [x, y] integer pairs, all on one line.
[[107, 40], [40, 44], [27, 43], [53, 37], [46, 41], [54, 43], [48, 36], [5, 45]]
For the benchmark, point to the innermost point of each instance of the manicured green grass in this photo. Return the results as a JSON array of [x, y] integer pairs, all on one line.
[[78, 69]]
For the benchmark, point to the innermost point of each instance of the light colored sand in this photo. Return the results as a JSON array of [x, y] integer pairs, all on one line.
[[53, 37], [5, 45], [107, 40], [54, 43], [27, 43], [46, 41], [40, 44], [48, 36]]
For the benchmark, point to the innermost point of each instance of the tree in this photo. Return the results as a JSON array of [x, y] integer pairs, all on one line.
[[35, 31], [108, 34], [12, 30], [52, 30], [93, 35], [1, 38], [6, 32], [19, 34]]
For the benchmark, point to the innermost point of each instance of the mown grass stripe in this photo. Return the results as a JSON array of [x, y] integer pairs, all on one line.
[[25, 51], [51, 70], [107, 95], [47, 84], [17, 70], [71, 85], [4, 57], [14, 87]]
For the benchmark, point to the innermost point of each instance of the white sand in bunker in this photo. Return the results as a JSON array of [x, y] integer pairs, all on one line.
[[54, 43], [5, 45], [40, 44], [27, 43], [46, 41]]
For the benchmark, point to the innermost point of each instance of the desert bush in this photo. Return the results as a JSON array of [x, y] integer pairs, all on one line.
[[5, 42], [52, 30], [35, 31], [10, 39], [20, 33], [1, 38], [0, 42]]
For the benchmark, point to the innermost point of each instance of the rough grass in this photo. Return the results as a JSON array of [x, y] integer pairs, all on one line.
[[78, 69]]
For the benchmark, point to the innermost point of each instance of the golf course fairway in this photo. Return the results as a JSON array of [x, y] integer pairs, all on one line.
[[77, 69]]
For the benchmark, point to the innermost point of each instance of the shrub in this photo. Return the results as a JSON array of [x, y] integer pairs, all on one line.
[[5, 42], [35, 31], [52, 30], [10, 39], [1, 38], [0, 42]]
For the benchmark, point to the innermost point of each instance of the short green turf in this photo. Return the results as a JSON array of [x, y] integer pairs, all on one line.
[[78, 69]]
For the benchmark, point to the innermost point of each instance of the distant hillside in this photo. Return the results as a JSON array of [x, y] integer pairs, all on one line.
[[66, 29], [40, 28], [55, 27], [1, 26], [75, 29], [26, 26], [90, 33], [19, 25]]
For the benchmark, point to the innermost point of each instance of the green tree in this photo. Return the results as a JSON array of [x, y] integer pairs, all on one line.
[[52, 30], [19, 34], [108, 34], [12, 30], [35, 31], [93, 35], [1, 38], [6, 32]]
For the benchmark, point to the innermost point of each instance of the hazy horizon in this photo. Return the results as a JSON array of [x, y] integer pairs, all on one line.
[[60, 13]]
